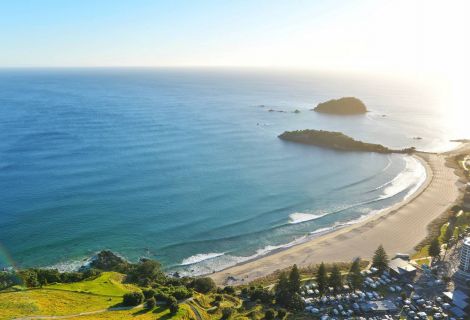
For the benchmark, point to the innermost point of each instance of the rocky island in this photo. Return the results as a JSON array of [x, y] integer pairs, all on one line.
[[337, 141], [342, 106]]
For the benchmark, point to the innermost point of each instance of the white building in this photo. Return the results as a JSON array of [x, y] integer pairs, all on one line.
[[462, 276], [465, 256]]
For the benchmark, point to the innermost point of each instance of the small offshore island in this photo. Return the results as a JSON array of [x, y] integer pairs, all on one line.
[[342, 106], [336, 140]]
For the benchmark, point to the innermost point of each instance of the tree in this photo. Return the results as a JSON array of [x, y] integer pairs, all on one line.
[[227, 313], [132, 299], [229, 290], [146, 272], [173, 305], [449, 232], [269, 314], [294, 280], [335, 279], [282, 290], [150, 303], [29, 278], [148, 293], [434, 249], [380, 259], [204, 285], [281, 314], [108, 261], [355, 276], [322, 278]]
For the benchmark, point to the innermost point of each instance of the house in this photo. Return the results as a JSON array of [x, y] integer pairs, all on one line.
[[382, 306], [401, 268]]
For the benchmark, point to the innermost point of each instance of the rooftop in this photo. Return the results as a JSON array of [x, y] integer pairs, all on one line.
[[467, 241], [401, 266]]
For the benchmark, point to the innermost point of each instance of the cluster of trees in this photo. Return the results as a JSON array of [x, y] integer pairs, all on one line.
[[456, 226], [270, 314], [33, 277], [334, 280], [287, 291]]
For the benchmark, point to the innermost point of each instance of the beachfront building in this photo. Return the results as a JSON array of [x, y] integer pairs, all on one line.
[[402, 268], [462, 276]]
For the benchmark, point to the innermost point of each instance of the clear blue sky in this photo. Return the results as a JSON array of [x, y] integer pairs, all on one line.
[[289, 33]]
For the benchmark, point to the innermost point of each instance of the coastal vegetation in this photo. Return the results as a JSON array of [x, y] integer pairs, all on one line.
[[342, 106], [336, 140]]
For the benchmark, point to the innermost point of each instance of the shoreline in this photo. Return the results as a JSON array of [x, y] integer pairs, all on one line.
[[398, 228]]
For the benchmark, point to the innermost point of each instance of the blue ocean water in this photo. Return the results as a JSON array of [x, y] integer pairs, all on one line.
[[184, 165]]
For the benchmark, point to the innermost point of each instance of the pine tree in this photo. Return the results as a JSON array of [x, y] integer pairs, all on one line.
[[322, 278], [355, 276], [282, 290], [335, 279], [380, 259], [294, 280], [434, 249], [449, 232]]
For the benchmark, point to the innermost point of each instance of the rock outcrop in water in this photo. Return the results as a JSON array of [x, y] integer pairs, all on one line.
[[342, 106], [337, 141]]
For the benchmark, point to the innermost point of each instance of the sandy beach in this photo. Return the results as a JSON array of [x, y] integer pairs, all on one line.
[[399, 228]]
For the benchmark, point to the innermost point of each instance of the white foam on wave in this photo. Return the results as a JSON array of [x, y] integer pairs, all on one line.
[[299, 217], [201, 257], [70, 266], [223, 261], [412, 177]]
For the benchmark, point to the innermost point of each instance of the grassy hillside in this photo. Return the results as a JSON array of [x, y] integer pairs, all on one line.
[[108, 283], [160, 313], [51, 302]]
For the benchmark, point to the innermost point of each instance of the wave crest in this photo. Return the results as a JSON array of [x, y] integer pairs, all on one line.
[[201, 257]]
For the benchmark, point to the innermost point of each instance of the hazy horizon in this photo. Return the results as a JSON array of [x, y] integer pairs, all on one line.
[[372, 36]]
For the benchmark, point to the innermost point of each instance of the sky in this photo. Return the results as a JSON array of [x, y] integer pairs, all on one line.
[[374, 35]]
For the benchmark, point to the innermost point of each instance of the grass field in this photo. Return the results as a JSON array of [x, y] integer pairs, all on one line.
[[160, 313], [108, 283], [51, 302]]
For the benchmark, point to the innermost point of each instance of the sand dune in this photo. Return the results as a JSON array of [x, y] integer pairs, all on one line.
[[399, 229]]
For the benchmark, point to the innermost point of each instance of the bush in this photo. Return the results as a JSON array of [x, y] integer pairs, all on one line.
[[108, 261], [150, 303], [148, 293], [173, 305], [204, 285], [281, 313], [180, 292], [269, 314], [227, 313], [229, 290], [132, 299]]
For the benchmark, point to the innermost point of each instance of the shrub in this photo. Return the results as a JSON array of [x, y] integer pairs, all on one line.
[[132, 299], [281, 313], [150, 303], [269, 314], [204, 285], [148, 293], [108, 261], [173, 305], [227, 313], [180, 292], [229, 290]]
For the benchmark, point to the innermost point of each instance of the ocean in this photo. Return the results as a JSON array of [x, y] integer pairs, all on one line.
[[184, 165]]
